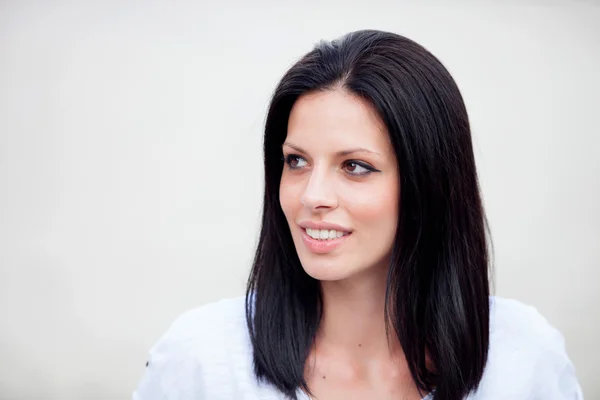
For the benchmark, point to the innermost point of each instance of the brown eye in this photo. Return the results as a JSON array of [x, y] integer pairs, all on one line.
[[356, 168], [294, 161]]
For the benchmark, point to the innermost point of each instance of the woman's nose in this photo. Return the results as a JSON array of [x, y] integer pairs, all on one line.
[[319, 193]]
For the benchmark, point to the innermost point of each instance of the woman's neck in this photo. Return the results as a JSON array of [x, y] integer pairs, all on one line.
[[353, 321]]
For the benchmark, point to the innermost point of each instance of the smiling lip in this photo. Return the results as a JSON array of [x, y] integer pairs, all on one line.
[[323, 225], [323, 246]]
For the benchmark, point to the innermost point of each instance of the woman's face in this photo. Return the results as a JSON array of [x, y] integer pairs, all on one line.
[[340, 187]]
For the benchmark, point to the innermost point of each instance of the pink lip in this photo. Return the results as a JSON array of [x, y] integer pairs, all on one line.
[[323, 225], [322, 246]]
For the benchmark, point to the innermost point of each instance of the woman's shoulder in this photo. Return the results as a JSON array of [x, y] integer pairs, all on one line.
[[527, 355], [520, 328], [200, 351], [212, 321], [514, 321], [202, 332]]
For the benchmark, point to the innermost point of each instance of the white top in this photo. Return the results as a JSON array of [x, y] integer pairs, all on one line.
[[207, 355]]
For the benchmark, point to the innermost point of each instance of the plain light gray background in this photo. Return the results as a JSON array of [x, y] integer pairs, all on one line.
[[131, 174]]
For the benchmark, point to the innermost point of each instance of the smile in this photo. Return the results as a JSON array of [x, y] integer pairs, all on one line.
[[322, 241], [325, 234]]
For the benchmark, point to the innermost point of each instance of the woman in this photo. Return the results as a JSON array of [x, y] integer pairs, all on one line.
[[370, 280]]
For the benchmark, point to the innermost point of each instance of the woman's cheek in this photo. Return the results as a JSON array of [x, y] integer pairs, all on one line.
[[373, 203], [290, 194]]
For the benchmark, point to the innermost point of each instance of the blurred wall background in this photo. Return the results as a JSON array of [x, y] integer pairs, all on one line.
[[131, 170]]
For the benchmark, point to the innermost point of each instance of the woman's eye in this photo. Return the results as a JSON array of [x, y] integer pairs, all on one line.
[[356, 168], [294, 161]]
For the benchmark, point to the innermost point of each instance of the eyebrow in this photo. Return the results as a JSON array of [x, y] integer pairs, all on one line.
[[341, 153]]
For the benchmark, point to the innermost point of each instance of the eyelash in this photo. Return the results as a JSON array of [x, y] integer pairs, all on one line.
[[288, 159]]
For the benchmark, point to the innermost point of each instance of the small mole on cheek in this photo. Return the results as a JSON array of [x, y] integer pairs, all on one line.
[[323, 376], [359, 345]]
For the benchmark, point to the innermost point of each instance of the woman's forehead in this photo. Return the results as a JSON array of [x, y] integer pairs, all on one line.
[[338, 120]]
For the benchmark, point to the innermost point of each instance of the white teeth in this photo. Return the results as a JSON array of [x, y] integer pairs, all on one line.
[[324, 234]]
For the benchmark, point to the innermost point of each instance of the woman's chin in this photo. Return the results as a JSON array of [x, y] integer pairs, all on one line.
[[327, 272]]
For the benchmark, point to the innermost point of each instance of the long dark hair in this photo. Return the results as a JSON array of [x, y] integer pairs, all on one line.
[[437, 286]]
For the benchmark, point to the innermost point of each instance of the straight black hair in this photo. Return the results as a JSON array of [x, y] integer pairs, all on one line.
[[437, 286]]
